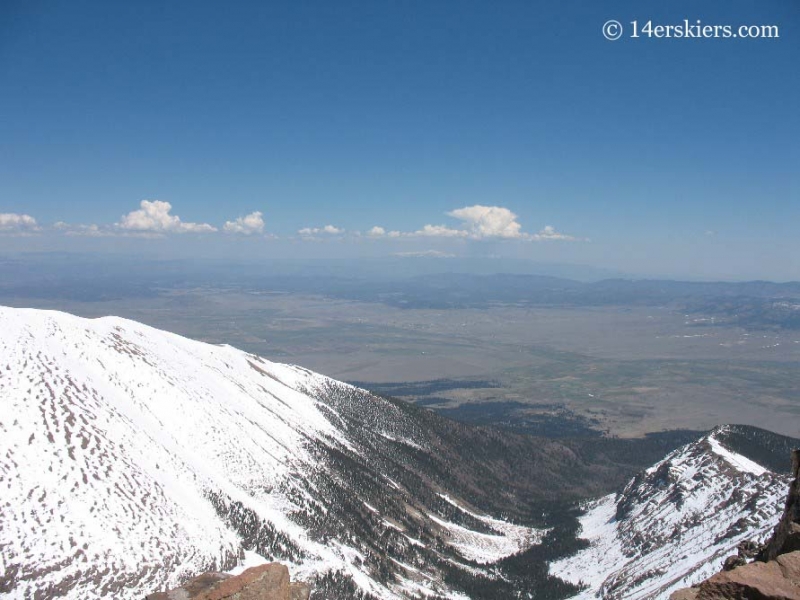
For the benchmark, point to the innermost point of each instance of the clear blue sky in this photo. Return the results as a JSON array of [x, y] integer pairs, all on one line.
[[674, 157]]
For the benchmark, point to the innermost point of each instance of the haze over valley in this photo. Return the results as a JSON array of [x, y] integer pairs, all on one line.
[[542, 354]]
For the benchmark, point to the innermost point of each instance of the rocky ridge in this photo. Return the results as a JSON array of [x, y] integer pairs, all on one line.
[[674, 523], [775, 572]]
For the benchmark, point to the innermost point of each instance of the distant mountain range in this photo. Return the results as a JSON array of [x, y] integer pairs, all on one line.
[[753, 304], [132, 459]]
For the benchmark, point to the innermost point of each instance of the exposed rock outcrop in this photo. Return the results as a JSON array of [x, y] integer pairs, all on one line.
[[774, 575], [786, 537], [777, 579], [265, 582]]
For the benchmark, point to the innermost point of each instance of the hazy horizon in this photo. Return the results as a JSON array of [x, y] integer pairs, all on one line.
[[404, 264]]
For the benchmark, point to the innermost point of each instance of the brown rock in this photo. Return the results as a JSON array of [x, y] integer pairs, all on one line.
[[192, 588], [775, 580], [732, 562], [299, 591], [684, 594], [790, 566], [265, 582]]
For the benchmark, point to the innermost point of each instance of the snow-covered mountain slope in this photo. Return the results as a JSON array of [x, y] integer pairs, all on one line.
[[674, 524], [131, 459]]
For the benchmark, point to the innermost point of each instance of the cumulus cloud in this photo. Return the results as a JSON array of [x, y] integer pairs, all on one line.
[[154, 217], [488, 221], [327, 230], [16, 223], [478, 222], [247, 225]]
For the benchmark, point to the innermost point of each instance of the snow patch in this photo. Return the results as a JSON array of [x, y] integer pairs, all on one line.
[[737, 461], [484, 548]]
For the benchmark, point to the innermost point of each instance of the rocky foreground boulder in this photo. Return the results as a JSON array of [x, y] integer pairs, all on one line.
[[265, 582], [774, 575]]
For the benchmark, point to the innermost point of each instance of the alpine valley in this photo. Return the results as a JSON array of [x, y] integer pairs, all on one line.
[[132, 459]]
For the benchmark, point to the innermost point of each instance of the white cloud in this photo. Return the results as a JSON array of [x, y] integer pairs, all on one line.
[[247, 225], [380, 232], [440, 231], [488, 221], [312, 231], [154, 217], [16, 223], [479, 222], [548, 233]]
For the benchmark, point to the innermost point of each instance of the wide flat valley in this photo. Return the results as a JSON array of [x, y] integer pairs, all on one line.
[[623, 371]]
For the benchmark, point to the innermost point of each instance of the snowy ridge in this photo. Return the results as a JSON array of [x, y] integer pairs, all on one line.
[[131, 459], [674, 524], [737, 461]]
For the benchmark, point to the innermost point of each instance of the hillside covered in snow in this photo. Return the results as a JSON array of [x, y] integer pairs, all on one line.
[[132, 459], [674, 524]]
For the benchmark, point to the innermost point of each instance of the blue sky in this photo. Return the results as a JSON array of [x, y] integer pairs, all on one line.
[[662, 157]]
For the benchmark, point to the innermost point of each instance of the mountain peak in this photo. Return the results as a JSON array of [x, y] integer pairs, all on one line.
[[674, 523]]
